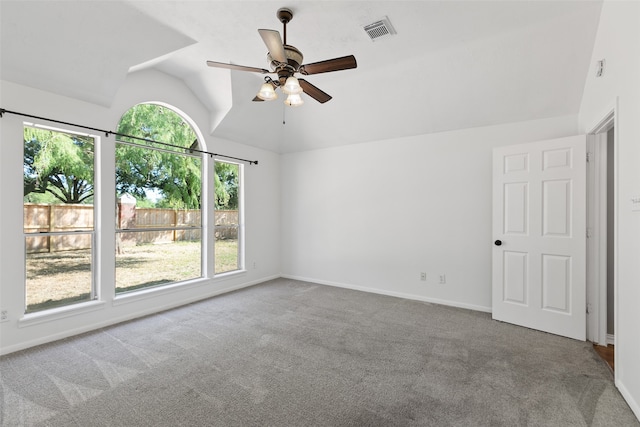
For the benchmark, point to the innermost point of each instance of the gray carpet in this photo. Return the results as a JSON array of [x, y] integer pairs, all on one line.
[[288, 353]]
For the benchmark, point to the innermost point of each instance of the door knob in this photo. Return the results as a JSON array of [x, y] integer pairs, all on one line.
[[498, 242]]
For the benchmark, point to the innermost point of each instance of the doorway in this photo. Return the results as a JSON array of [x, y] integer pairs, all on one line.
[[601, 232]]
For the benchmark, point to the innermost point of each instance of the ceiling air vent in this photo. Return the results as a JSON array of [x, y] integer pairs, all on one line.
[[379, 29]]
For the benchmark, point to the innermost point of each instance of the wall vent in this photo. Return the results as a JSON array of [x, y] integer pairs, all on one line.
[[380, 29]]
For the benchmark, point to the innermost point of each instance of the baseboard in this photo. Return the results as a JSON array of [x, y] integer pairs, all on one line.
[[130, 316], [391, 293], [611, 339], [635, 406]]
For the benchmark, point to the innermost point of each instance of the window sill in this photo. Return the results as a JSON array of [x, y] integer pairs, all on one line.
[[89, 306], [144, 294], [59, 313], [228, 275]]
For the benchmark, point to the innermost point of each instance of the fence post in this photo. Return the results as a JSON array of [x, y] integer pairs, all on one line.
[[175, 222], [51, 227]]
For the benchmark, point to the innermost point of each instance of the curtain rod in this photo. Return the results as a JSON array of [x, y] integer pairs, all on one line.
[[109, 132]]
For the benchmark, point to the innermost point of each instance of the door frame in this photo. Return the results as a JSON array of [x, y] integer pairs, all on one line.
[[597, 227]]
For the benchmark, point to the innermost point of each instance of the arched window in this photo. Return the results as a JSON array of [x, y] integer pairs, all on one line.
[[159, 194]]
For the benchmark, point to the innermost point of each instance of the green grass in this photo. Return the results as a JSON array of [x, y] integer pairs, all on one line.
[[63, 278], [151, 265], [226, 255]]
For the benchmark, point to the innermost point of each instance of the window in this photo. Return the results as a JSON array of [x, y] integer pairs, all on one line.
[[228, 217], [159, 188], [58, 224]]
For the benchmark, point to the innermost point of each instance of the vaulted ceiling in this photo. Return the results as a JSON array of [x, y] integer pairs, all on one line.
[[451, 65]]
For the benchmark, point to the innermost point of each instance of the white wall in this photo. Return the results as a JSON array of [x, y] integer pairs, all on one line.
[[261, 214], [618, 42], [374, 216]]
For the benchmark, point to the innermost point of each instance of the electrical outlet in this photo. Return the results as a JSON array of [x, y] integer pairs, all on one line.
[[255, 265], [443, 279], [423, 277], [4, 315]]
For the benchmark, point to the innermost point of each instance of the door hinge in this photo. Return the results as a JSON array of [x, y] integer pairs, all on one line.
[[588, 157], [588, 233]]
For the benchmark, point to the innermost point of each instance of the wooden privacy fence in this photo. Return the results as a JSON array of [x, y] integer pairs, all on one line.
[[160, 218], [40, 218]]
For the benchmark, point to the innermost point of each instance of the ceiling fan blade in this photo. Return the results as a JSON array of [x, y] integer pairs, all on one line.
[[274, 43], [256, 99], [314, 92], [237, 67], [336, 64]]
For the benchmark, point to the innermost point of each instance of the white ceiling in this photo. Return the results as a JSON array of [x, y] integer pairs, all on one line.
[[452, 64]]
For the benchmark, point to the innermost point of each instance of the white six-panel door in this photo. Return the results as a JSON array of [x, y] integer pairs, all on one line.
[[539, 232]]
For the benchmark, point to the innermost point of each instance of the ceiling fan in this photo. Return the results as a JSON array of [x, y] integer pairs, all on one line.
[[285, 61]]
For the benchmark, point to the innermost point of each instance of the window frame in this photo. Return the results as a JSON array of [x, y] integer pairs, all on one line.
[[94, 291], [201, 226], [240, 254]]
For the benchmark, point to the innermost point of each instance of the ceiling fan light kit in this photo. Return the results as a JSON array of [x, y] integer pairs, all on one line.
[[285, 60], [292, 86], [294, 100], [267, 92]]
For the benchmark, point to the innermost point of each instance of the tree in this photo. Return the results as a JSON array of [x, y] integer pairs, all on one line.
[[59, 164], [226, 186], [177, 178], [163, 169]]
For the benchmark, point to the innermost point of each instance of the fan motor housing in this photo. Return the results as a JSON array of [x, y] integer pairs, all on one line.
[[293, 55]]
